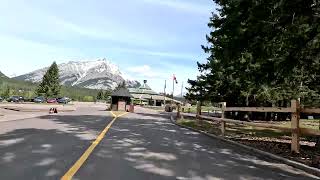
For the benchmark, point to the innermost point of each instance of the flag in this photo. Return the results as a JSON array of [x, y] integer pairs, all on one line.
[[175, 79]]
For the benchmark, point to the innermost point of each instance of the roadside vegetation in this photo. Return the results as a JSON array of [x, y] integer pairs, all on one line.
[[261, 53]]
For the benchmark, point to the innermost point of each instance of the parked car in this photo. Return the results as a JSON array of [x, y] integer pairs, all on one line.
[[15, 99], [52, 100], [63, 100], [39, 99], [21, 99]]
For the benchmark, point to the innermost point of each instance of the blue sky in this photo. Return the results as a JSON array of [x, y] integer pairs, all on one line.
[[161, 37]]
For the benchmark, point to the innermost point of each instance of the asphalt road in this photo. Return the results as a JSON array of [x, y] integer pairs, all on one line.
[[144, 145]]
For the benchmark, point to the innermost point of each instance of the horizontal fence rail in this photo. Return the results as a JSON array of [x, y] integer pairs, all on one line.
[[294, 110], [310, 110], [258, 109]]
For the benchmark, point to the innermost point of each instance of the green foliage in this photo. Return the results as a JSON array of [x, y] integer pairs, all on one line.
[[121, 85], [261, 53], [6, 92], [88, 98], [100, 94], [50, 85], [103, 95], [106, 95]]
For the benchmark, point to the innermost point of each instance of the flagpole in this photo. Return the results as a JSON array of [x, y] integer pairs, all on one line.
[[173, 87], [164, 92], [182, 89]]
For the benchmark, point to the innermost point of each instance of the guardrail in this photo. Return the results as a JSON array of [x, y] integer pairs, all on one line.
[[295, 111]]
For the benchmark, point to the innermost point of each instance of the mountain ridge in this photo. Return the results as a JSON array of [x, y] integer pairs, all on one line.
[[92, 74]]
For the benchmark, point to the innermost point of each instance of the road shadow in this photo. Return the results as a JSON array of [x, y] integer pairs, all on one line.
[[46, 147], [38, 154], [148, 146]]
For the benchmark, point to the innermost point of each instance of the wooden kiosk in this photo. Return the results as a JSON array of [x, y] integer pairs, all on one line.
[[121, 100]]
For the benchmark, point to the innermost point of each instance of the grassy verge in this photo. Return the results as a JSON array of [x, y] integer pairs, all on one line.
[[304, 123], [158, 108], [245, 130], [266, 139], [193, 109]]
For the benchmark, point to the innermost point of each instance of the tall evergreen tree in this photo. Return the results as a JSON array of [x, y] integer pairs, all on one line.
[[6, 92], [100, 95], [50, 85], [263, 52], [106, 95], [121, 85]]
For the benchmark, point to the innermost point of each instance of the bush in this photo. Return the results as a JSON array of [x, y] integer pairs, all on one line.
[[88, 99]]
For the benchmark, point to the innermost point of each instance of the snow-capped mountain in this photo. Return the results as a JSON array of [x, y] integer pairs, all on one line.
[[98, 74]]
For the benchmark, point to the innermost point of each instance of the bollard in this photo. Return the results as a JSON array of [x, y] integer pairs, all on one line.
[[179, 111]]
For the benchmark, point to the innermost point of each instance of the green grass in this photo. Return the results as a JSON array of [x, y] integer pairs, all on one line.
[[159, 108], [204, 109], [304, 123], [203, 125], [235, 130]]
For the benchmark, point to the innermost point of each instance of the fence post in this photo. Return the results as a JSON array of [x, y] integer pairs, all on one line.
[[223, 123], [178, 111], [295, 118], [198, 110]]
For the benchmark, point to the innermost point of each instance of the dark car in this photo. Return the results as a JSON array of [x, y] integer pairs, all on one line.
[[15, 99], [52, 100], [39, 99], [63, 100]]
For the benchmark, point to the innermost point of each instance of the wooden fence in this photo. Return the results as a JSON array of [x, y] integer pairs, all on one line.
[[295, 111]]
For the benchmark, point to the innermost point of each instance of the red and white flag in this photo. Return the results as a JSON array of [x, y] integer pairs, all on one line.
[[175, 79]]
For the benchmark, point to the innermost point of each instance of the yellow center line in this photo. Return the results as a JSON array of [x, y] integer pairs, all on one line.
[[113, 114], [73, 170]]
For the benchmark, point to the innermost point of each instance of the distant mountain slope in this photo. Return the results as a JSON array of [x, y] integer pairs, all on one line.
[[2, 75], [98, 74], [27, 89]]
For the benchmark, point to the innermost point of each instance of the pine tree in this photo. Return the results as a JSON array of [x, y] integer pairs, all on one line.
[[6, 93], [106, 95], [50, 85], [262, 53], [100, 95], [121, 85]]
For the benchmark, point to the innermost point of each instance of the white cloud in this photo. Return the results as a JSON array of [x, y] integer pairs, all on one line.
[[139, 69], [111, 31], [27, 55], [145, 71], [185, 56], [183, 6], [157, 76]]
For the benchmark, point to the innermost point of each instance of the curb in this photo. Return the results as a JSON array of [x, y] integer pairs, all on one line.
[[295, 164]]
